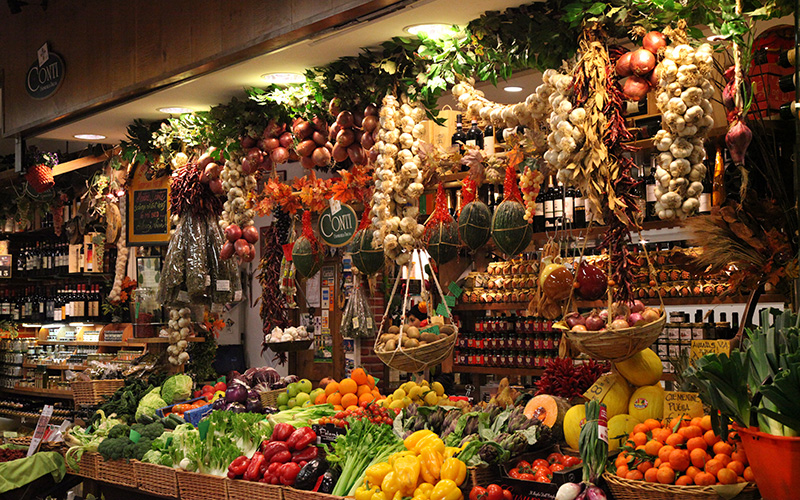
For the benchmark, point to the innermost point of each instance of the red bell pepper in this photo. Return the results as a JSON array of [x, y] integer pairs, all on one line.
[[281, 457], [231, 475], [307, 454], [301, 438], [288, 473], [282, 431], [238, 467], [271, 448], [254, 468]]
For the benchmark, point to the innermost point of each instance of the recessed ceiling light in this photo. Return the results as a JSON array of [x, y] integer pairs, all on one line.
[[433, 30], [512, 89], [89, 137], [283, 78], [175, 110]]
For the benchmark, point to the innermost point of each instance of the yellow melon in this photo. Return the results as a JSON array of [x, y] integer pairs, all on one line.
[[619, 428], [573, 421], [617, 396], [643, 368], [647, 402]]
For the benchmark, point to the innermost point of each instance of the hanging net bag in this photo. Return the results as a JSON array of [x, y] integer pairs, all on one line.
[[510, 231], [367, 259], [475, 219], [307, 253], [441, 231]]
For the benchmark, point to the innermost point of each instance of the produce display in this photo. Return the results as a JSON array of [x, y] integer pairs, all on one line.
[[289, 334], [346, 394]]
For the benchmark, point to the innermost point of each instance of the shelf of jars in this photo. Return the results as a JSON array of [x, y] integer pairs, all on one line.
[[34, 391], [497, 370], [668, 301]]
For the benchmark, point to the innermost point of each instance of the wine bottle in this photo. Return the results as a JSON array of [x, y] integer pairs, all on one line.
[[787, 83], [459, 137], [538, 214], [634, 108], [549, 206], [650, 192], [787, 59], [558, 205], [579, 209], [569, 206], [705, 198], [788, 111], [474, 136], [488, 141]]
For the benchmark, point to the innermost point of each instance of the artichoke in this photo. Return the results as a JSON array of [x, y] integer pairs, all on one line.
[[472, 425], [517, 421], [449, 424], [436, 419], [469, 438]]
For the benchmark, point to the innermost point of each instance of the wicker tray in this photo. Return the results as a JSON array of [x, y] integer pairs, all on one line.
[[119, 472], [94, 392], [615, 345], [270, 398], [296, 345], [239, 489], [295, 494], [626, 489], [156, 479], [484, 475], [196, 486], [88, 466], [417, 359]]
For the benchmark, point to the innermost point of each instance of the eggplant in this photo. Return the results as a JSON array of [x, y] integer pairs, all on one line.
[[308, 475], [328, 481]]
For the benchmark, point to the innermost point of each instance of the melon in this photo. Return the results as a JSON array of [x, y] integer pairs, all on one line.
[[475, 224], [573, 421], [647, 402], [510, 231], [617, 396], [643, 368], [368, 260], [548, 409], [307, 257], [443, 241], [619, 428]]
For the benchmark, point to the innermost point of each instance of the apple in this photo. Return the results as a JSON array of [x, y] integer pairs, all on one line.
[[302, 398], [283, 399], [292, 389], [292, 403], [304, 386]]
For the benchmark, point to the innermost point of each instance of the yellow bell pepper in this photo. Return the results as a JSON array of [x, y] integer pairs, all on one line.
[[411, 441], [396, 456], [430, 441], [454, 470], [446, 489], [379, 495], [390, 485], [430, 462], [423, 490], [375, 473], [398, 495], [451, 451], [364, 493], [406, 471]]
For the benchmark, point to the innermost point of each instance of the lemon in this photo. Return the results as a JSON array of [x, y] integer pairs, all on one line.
[[415, 392], [438, 388], [399, 394], [396, 405], [406, 401], [431, 398]]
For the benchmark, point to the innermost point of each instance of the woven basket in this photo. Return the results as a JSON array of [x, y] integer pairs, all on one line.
[[615, 345], [270, 398], [94, 392], [88, 466], [295, 494], [196, 486], [239, 489], [40, 177], [119, 472], [484, 475], [417, 359], [626, 489], [156, 479]]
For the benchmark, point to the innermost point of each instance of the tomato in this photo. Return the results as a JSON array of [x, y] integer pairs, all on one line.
[[208, 388], [555, 458], [494, 492], [507, 495], [570, 461], [556, 467], [527, 477], [540, 462], [477, 493], [541, 478], [220, 386], [514, 473], [523, 464]]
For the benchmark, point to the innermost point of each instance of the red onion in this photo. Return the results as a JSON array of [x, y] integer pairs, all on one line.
[[329, 147], [319, 123], [305, 148], [212, 171], [216, 186], [286, 140], [636, 306], [654, 41], [653, 77], [241, 247], [254, 156], [204, 160], [594, 322], [634, 319], [249, 254], [370, 123], [233, 232], [574, 318], [271, 143], [619, 324], [642, 62], [333, 131], [373, 155], [339, 153], [321, 157], [371, 110], [227, 251], [738, 139], [623, 66], [334, 106], [266, 164], [318, 138], [636, 88], [366, 141], [248, 167], [248, 142], [307, 162], [303, 130], [250, 234], [649, 315], [279, 155], [592, 281], [273, 130], [345, 137], [356, 154], [345, 119], [603, 314]]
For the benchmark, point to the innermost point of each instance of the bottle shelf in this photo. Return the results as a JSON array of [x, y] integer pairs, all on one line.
[[33, 391], [498, 370], [55, 367]]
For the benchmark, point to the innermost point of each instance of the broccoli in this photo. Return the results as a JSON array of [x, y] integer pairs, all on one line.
[[137, 450], [153, 431], [118, 431], [113, 448]]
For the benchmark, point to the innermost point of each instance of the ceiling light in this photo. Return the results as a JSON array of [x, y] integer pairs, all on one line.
[[434, 30], [512, 89], [89, 137], [283, 78], [175, 110]]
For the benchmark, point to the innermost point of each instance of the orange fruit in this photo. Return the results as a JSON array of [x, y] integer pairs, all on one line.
[[334, 399], [651, 475], [367, 397], [321, 399], [724, 459], [338, 407], [684, 421], [652, 447], [664, 452], [351, 408], [740, 456], [711, 438], [644, 466], [634, 475], [331, 388], [696, 421], [748, 474], [640, 428], [675, 439], [665, 475], [740, 479], [713, 466], [652, 424], [376, 393], [363, 389], [690, 431], [639, 438], [359, 375], [736, 466], [698, 457], [622, 471], [371, 381], [679, 460], [661, 435], [722, 448], [705, 423], [692, 471], [423, 307], [640, 447], [348, 386], [695, 443], [349, 400], [657, 463], [622, 459], [726, 476], [684, 481], [704, 479]]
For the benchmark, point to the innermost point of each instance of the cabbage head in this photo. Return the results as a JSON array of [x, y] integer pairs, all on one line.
[[148, 405], [177, 388]]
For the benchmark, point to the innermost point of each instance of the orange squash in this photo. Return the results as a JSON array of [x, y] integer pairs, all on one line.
[[548, 409]]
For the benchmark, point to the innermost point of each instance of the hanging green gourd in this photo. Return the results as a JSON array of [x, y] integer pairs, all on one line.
[[475, 219], [510, 231], [307, 253], [441, 231], [366, 258]]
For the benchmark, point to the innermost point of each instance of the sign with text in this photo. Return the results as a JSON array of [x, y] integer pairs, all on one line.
[[702, 347], [337, 228], [677, 404], [41, 427], [148, 209], [45, 75]]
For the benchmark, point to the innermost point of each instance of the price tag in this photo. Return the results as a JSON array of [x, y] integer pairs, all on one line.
[[41, 427], [208, 280], [677, 404], [702, 347], [602, 425], [369, 322], [600, 388], [237, 295], [355, 323], [455, 289], [441, 310], [335, 205], [43, 54], [223, 285], [450, 300], [183, 296]]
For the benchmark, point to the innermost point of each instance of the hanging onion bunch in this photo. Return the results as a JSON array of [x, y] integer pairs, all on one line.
[[178, 331], [237, 215], [352, 134], [313, 146], [398, 179], [683, 97], [272, 148]]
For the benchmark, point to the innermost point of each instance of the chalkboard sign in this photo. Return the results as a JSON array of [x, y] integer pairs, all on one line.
[[148, 209]]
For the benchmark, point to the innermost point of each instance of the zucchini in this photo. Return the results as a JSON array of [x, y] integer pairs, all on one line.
[[178, 420], [168, 423], [145, 419]]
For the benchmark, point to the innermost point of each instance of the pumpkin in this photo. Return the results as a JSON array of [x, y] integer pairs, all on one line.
[[643, 368], [368, 260], [475, 224], [307, 257], [510, 231], [619, 428], [647, 402], [573, 421], [443, 241], [617, 396], [548, 409]]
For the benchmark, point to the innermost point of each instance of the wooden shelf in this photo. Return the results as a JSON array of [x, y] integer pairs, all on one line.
[[55, 367], [127, 343], [507, 306], [32, 391], [498, 370]]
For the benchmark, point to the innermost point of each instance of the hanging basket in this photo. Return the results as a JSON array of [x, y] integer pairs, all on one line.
[[40, 177], [307, 252]]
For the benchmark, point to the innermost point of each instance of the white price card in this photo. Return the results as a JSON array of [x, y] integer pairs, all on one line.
[[41, 427]]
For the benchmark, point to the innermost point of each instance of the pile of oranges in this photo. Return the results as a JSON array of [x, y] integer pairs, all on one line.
[[350, 392], [693, 455]]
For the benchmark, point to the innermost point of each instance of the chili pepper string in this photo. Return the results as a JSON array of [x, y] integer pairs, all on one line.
[[273, 305], [188, 193]]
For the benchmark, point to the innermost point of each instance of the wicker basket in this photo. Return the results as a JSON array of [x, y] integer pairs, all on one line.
[[616, 345], [94, 392], [88, 466], [417, 359], [626, 489], [119, 472], [270, 398], [196, 486], [291, 346], [295, 494], [484, 475], [239, 489], [156, 479]]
